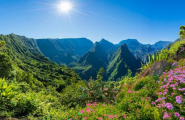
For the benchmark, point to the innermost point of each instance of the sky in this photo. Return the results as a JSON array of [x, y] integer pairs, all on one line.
[[148, 21]]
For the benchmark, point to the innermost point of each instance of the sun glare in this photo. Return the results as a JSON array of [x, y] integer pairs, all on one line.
[[65, 6]]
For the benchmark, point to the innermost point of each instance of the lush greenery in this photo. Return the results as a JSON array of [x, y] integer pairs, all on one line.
[[30, 65], [32, 87], [30, 84], [165, 54]]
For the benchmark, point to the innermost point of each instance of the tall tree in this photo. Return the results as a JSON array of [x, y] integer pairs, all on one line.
[[182, 32], [5, 66], [100, 74]]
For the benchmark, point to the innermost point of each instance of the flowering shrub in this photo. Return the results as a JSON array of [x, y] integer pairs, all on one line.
[[171, 96], [95, 111]]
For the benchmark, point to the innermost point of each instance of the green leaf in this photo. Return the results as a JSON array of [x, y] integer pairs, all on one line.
[[86, 84]]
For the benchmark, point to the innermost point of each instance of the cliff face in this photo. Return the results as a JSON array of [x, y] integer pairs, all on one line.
[[64, 51]]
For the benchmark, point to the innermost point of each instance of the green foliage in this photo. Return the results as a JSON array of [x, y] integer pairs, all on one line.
[[165, 54], [33, 82], [18, 100], [70, 95], [2, 44], [31, 66], [100, 92], [182, 32], [100, 74], [5, 66]]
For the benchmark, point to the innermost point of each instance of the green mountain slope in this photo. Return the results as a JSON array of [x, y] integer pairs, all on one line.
[[89, 64], [116, 65], [121, 62], [27, 58]]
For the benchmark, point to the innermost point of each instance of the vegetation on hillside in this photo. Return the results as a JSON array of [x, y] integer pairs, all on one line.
[[32, 87]]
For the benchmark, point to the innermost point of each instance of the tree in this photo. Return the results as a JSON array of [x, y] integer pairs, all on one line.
[[5, 65], [182, 32], [100, 74], [2, 44]]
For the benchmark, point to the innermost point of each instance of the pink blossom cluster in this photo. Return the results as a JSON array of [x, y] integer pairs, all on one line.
[[172, 93]]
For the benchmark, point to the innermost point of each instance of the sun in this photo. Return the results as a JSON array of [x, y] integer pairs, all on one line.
[[65, 6]]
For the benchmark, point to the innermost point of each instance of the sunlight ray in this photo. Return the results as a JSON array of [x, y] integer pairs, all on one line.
[[80, 12]]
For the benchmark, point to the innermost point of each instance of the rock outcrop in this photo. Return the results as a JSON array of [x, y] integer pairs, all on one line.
[[180, 53], [156, 68]]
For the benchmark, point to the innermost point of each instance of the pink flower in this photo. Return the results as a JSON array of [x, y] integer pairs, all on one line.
[[169, 106], [100, 118], [124, 116], [178, 97], [88, 109], [103, 104], [163, 105], [95, 103], [85, 117], [129, 91], [88, 104], [130, 100], [153, 103], [110, 116], [165, 115], [81, 111], [177, 114], [181, 118]]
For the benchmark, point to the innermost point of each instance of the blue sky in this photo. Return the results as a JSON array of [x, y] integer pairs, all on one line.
[[146, 20]]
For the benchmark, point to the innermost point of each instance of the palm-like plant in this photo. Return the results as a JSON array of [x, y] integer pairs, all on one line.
[[98, 92]]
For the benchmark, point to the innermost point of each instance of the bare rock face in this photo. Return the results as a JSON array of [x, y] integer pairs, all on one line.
[[180, 53], [156, 68], [159, 67]]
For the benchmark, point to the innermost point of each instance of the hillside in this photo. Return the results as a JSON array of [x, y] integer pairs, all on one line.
[[26, 57], [116, 65], [152, 97], [121, 62], [92, 61]]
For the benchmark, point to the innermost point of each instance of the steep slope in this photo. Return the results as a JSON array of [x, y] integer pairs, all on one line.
[[121, 61], [64, 51], [26, 57], [89, 64]]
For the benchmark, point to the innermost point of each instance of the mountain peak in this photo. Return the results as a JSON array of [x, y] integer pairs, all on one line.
[[106, 45], [124, 48], [96, 46], [128, 41]]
